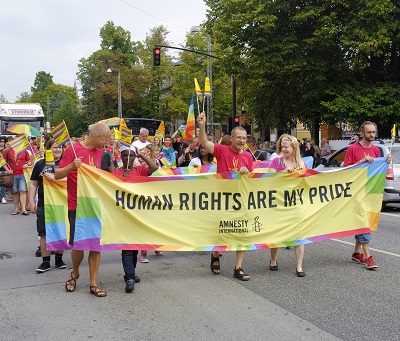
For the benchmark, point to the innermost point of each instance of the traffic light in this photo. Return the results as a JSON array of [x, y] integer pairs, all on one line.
[[236, 121], [157, 56]]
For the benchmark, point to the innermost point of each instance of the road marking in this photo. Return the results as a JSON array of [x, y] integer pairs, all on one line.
[[391, 214], [376, 250]]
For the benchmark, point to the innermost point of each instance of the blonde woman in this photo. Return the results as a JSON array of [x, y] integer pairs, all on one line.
[[290, 161]]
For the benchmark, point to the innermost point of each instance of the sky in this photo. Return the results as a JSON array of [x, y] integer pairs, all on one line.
[[53, 35]]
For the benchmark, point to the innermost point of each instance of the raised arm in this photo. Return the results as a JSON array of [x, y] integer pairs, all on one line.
[[208, 145]]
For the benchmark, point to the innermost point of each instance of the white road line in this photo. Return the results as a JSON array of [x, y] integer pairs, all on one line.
[[391, 214], [376, 250]]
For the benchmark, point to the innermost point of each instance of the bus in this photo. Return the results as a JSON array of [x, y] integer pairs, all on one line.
[[20, 113], [155, 127]]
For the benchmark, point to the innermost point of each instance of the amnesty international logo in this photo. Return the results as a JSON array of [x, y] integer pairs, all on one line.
[[257, 225]]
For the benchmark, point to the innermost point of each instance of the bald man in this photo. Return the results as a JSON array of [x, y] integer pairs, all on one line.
[[88, 151]]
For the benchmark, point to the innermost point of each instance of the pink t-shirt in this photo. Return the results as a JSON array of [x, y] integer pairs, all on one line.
[[356, 152], [91, 157], [229, 161], [137, 171], [279, 165]]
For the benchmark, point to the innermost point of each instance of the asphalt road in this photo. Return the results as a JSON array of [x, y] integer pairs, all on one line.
[[180, 299]]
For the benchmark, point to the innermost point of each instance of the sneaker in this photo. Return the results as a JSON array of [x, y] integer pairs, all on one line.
[[137, 279], [358, 257], [370, 264], [45, 266], [38, 252], [143, 259], [129, 285], [3, 200], [60, 264]]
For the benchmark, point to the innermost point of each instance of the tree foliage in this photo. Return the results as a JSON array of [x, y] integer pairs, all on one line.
[[298, 60]]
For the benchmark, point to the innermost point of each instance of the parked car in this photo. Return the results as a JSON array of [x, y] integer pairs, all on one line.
[[391, 193]]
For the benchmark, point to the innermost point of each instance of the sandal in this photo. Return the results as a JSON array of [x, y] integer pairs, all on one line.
[[98, 292], [71, 282], [15, 213], [25, 213], [240, 274], [215, 266], [273, 267]]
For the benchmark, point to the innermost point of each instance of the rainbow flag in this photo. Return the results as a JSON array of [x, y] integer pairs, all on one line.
[[20, 144], [182, 130], [2, 161], [60, 133], [126, 136], [199, 93], [189, 130], [36, 156], [207, 88], [50, 158]]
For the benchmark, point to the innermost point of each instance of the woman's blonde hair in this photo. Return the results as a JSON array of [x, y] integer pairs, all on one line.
[[299, 163]]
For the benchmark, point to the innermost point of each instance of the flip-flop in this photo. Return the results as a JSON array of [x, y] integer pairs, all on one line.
[[15, 213], [25, 213]]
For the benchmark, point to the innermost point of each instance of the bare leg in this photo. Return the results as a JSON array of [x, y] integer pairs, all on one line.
[[94, 263], [16, 201], [239, 262], [273, 256], [365, 247], [45, 252], [299, 252], [76, 257], [357, 247], [22, 200]]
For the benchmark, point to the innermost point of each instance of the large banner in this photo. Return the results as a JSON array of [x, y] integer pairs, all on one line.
[[221, 211]]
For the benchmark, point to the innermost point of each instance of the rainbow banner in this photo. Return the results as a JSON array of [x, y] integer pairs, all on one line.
[[20, 144], [227, 211], [182, 130], [60, 133], [56, 213]]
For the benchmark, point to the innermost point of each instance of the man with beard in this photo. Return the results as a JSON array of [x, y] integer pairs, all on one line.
[[357, 153], [229, 159]]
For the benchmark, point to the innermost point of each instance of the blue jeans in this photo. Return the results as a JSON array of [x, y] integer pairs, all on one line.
[[3, 192], [129, 261]]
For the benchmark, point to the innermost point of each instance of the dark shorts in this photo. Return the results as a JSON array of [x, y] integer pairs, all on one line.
[[71, 218], [40, 222]]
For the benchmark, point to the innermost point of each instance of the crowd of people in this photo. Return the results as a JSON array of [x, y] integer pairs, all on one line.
[[234, 152]]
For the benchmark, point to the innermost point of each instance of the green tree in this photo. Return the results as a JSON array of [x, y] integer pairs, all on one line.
[[3, 99], [24, 97], [292, 58], [42, 81]]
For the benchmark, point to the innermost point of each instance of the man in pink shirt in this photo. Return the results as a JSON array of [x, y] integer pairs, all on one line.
[[88, 151], [229, 159]]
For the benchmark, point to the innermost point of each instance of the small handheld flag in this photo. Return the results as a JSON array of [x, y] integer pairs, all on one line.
[[60, 133], [20, 144], [393, 133], [189, 131], [50, 158]]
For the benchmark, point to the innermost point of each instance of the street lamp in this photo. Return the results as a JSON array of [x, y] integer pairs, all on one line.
[[119, 90]]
